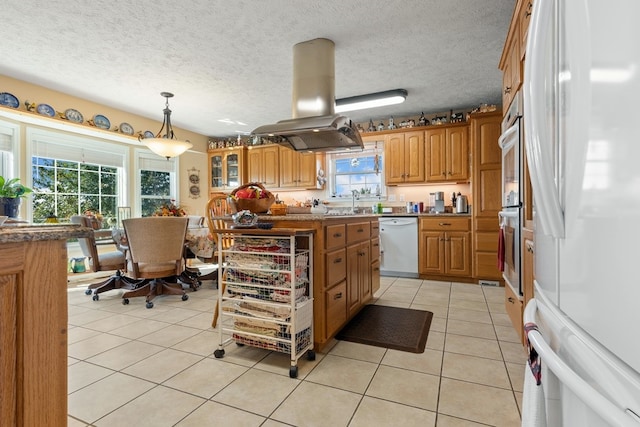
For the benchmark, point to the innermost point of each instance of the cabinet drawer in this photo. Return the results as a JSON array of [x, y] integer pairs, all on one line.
[[336, 306], [336, 266], [375, 249], [375, 228], [513, 306], [358, 231], [335, 236], [445, 223]]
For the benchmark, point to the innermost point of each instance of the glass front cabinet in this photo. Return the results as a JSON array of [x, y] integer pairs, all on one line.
[[226, 168]]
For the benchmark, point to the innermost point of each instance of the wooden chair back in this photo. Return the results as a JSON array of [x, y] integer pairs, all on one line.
[[218, 208]]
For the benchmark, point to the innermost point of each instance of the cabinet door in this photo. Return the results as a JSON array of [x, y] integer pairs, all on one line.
[[414, 156], [233, 169], [527, 270], [394, 158], [306, 170], [364, 265], [435, 164], [255, 165], [375, 277], [353, 276], [457, 154], [432, 252], [215, 171], [270, 168], [288, 173], [458, 253]]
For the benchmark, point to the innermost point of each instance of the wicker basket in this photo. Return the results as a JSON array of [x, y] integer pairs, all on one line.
[[253, 205]]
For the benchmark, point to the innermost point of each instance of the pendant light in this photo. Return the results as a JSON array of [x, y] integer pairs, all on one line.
[[166, 145]]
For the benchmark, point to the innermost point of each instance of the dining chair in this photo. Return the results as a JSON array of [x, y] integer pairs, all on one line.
[[156, 249], [103, 261], [217, 209]]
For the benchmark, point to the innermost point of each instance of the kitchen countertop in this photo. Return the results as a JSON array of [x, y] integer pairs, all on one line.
[[12, 233]]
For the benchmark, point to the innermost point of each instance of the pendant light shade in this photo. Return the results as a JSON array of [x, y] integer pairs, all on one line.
[[166, 144]]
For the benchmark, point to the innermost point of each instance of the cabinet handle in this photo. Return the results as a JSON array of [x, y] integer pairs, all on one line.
[[529, 249], [507, 89], [375, 245], [337, 235], [441, 224], [511, 300], [337, 261], [360, 230], [338, 295], [528, 14]]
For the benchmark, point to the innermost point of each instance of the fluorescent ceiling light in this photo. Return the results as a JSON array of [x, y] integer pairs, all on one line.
[[371, 100]]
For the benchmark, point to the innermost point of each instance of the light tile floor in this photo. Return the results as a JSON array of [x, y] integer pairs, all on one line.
[[129, 365]]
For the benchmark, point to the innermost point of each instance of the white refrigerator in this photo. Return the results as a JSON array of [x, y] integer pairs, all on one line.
[[582, 140]]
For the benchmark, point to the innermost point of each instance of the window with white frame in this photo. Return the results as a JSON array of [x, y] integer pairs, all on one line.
[[357, 171], [71, 175], [157, 182], [8, 149]]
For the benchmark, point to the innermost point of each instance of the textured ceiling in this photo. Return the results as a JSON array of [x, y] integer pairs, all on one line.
[[229, 63]]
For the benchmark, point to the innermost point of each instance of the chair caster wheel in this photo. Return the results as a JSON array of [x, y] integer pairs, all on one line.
[[87, 292], [125, 301], [185, 297], [95, 297], [293, 372], [311, 355], [149, 304], [218, 354]]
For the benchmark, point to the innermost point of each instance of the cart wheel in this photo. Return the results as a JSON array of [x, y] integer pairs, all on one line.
[[293, 372], [218, 353], [125, 301], [311, 355], [95, 297], [87, 292], [185, 297], [149, 304], [240, 344]]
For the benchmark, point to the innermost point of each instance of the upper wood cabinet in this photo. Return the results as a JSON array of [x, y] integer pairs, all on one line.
[[297, 169], [404, 157], [227, 168], [263, 163], [524, 17], [447, 153]]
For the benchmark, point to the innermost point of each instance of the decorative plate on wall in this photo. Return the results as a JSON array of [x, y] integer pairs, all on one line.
[[126, 128], [8, 100], [46, 110], [148, 134], [101, 121], [73, 115]]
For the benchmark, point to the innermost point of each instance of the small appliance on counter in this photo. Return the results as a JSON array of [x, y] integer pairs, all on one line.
[[438, 198], [462, 204]]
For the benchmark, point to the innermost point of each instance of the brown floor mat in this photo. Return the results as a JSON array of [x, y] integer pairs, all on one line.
[[390, 327]]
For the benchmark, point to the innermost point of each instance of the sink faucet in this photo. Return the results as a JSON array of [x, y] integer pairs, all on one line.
[[355, 194]]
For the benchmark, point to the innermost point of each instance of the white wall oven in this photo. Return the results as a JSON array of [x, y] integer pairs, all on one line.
[[510, 216]]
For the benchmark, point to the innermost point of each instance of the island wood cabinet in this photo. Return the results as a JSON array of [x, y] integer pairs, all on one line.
[[227, 168], [404, 157], [444, 247], [33, 329], [297, 169], [447, 153], [263, 165], [486, 186], [337, 286]]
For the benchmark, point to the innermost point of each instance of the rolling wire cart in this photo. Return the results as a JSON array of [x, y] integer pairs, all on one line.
[[265, 291]]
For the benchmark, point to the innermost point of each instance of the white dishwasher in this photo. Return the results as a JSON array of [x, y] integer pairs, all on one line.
[[399, 246]]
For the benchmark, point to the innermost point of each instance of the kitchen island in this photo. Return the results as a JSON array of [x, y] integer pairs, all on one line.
[[346, 263], [33, 323]]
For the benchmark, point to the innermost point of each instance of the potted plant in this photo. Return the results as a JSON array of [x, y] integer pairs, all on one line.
[[11, 193]]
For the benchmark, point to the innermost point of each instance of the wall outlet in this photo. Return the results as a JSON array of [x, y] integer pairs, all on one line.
[[402, 197], [392, 197]]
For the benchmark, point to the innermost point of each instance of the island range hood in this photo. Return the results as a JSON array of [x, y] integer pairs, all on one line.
[[314, 126]]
